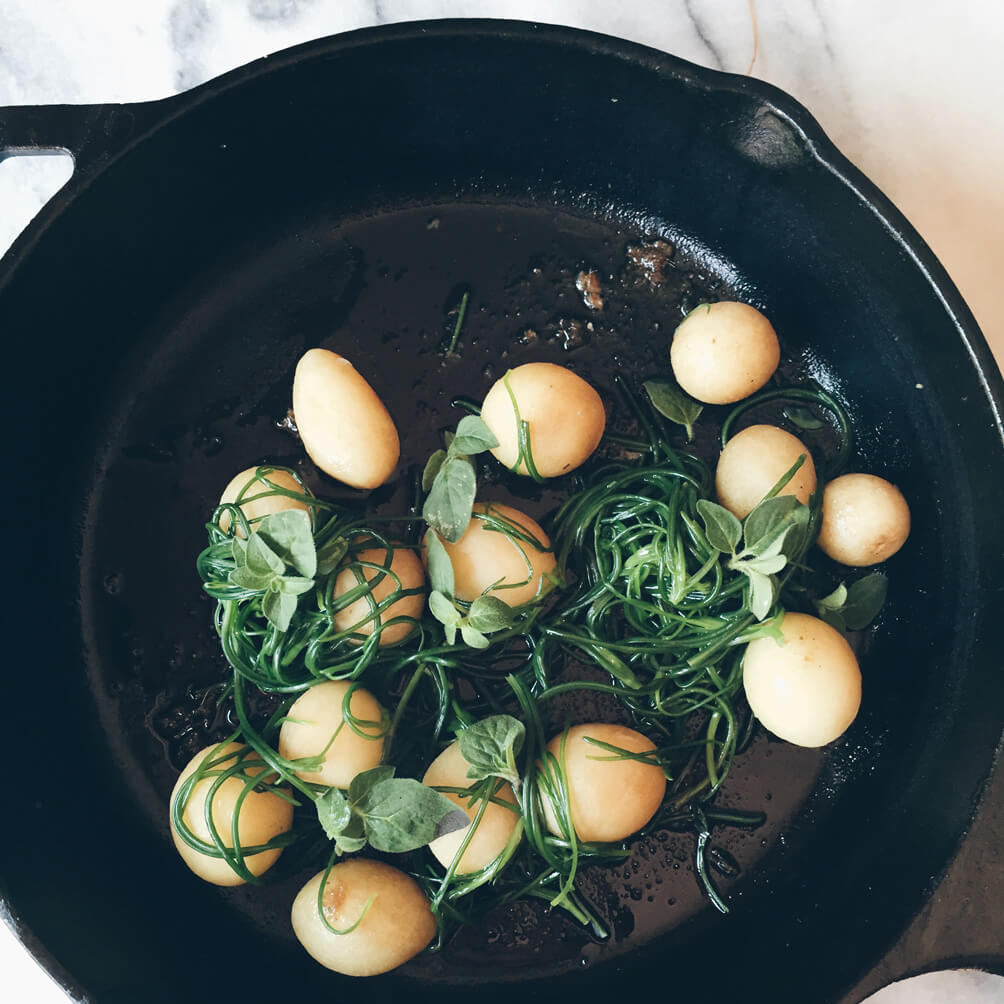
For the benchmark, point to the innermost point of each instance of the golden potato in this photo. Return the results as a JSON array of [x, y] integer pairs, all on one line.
[[449, 770], [397, 925], [263, 815], [808, 690], [565, 415], [358, 616], [344, 426], [315, 725], [485, 554], [754, 460], [865, 520], [609, 798], [723, 352], [258, 502]]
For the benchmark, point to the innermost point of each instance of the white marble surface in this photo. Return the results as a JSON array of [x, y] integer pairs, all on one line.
[[911, 90]]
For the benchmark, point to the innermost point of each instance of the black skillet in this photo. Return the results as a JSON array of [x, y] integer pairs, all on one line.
[[344, 193]]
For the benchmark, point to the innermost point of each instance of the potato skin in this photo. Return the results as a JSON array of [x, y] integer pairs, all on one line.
[[397, 926], [565, 413], [263, 815], [256, 508], [313, 719], [344, 426], [407, 566], [808, 690], [609, 799], [865, 520], [723, 352], [449, 769], [482, 556], [754, 460]]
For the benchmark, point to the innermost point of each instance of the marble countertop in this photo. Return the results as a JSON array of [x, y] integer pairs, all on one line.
[[912, 91]]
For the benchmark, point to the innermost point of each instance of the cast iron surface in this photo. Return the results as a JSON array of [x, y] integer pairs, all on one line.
[[152, 316]]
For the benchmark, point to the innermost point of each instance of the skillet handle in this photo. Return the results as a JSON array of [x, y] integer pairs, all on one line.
[[90, 134]]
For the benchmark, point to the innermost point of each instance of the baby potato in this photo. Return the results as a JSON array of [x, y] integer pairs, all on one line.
[[808, 690], [315, 725], [754, 460], [397, 925], [344, 426], [485, 555], [358, 616], [449, 769], [565, 415], [263, 815], [865, 520], [609, 798], [255, 507], [723, 352]]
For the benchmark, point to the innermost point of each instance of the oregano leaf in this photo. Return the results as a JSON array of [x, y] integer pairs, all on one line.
[[722, 528], [767, 521], [473, 637], [401, 814], [279, 608], [670, 401], [443, 609], [289, 535], [450, 501], [439, 565], [432, 466], [334, 812], [491, 746], [261, 559], [865, 599], [367, 779], [330, 555], [294, 585], [761, 593], [473, 437], [489, 613]]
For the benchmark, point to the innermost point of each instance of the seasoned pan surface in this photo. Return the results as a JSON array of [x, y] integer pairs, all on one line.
[[154, 318]]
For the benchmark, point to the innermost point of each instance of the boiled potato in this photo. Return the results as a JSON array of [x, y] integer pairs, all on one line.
[[358, 616], [397, 925], [565, 415], [344, 426], [263, 815], [754, 460], [484, 555], [449, 770], [808, 690], [865, 520], [257, 502], [315, 725], [610, 799], [723, 352]]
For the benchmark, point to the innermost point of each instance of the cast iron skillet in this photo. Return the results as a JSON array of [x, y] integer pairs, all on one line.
[[339, 193]]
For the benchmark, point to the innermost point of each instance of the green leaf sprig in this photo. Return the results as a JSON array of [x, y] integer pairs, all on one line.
[[279, 542], [484, 616], [491, 746], [391, 814], [854, 607], [671, 402], [450, 480]]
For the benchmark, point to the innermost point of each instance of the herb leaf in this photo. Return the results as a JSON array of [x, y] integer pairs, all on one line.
[[261, 559], [279, 608], [292, 584], [334, 812], [768, 521], [443, 609], [243, 576], [440, 567], [450, 502], [722, 528], [491, 746], [473, 436], [432, 466], [401, 814], [865, 599], [472, 636], [669, 400], [360, 785], [761, 594], [489, 613], [290, 536]]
